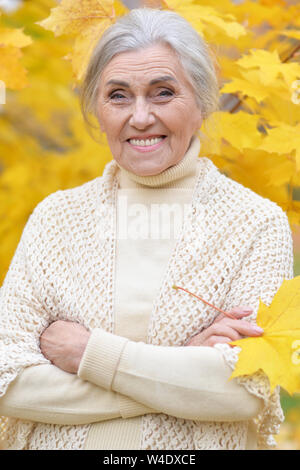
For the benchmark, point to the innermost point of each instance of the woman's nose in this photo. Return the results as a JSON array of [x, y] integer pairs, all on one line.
[[141, 116]]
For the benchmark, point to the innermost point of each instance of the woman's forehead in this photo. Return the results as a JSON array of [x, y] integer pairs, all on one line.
[[148, 65]]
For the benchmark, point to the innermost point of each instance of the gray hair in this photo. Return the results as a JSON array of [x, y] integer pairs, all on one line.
[[141, 28]]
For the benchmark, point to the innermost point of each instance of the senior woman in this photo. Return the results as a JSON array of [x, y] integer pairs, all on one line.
[[99, 350]]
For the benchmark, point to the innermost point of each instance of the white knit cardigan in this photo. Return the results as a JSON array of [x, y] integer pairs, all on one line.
[[235, 247]]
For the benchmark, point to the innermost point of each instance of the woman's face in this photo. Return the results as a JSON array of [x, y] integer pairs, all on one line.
[[147, 108]]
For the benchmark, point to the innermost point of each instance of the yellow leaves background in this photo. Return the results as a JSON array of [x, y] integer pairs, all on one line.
[[44, 146], [12, 73]]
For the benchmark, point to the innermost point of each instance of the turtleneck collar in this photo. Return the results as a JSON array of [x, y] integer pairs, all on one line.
[[180, 175]]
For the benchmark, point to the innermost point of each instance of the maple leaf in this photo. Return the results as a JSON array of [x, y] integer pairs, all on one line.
[[239, 129], [277, 351], [270, 66], [205, 17], [14, 37], [86, 20], [12, 73], [248, 87], [283, 139]]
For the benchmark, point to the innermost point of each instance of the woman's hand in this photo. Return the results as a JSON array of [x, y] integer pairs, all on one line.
[[225, 330], [63, 343]]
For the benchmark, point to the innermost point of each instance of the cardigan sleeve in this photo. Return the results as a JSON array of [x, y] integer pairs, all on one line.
[[185, 382], [46, 394], [31, 387]]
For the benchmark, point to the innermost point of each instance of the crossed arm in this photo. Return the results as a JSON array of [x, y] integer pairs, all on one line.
[[99, 376]]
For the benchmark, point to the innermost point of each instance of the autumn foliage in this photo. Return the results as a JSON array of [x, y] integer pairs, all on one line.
[[44, 145]]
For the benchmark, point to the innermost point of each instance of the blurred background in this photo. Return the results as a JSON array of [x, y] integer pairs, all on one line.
[[289, 437], [44, 145]]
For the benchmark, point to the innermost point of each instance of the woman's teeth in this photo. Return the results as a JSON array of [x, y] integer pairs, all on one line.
[[145, 143]]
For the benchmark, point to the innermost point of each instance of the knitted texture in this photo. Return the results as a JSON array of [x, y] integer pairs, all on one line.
[[235, 247]]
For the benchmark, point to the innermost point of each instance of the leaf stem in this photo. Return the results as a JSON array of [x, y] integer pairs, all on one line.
[[227, 314]]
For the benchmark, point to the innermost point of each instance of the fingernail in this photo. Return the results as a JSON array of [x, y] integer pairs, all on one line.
[[257, 329], [247, 309]]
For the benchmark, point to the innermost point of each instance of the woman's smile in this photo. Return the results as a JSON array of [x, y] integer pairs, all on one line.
[[146, 144]]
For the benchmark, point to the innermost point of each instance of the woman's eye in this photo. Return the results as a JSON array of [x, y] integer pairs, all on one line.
[[165, 93], [116, 96]]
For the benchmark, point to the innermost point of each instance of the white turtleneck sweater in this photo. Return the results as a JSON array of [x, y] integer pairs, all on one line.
[[116, 363]]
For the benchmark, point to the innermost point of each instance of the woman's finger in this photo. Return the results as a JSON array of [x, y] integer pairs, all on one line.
[[219, 329], [238, 312], [243, 327]]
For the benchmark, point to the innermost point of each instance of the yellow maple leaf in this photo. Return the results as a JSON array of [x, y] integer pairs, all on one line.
[[83, 48], [86, 21], [240, 129], [14, 37], [74, 17], [12, 73], [277, 351], [283, 139], [248, 87], [281, 171], [251, 84], [270, 66], [205, 17], [277, 110]]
